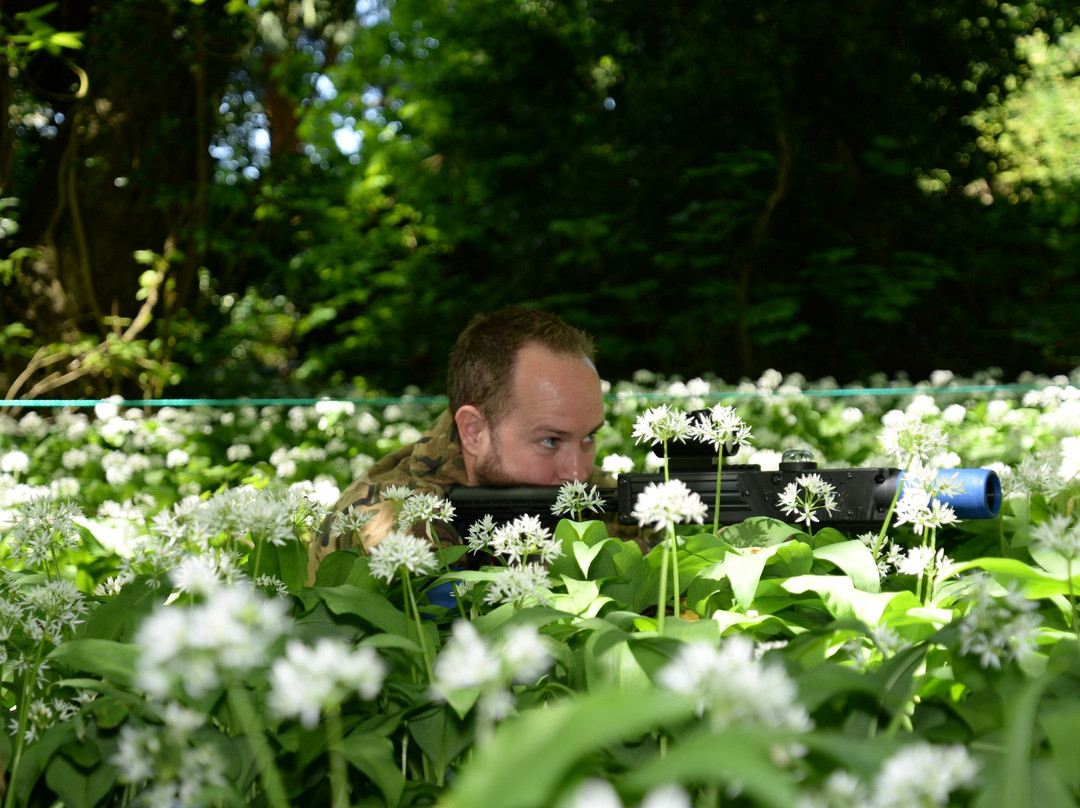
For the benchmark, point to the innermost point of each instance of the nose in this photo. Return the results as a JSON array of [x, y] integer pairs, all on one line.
[[571, 465]]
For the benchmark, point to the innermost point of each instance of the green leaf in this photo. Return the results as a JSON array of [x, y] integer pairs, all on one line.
[[854, 558], [117, 618], [374, 756], [105, 658], [743, 756], [841, 598], [1036, 584], [582, 598], [80, 787], [371, 607], [531, 756], [442, 736], [744, 571], [757, 531]]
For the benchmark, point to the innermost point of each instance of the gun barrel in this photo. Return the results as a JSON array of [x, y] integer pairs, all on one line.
[[863, 496]]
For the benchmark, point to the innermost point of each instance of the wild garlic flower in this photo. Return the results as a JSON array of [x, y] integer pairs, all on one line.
[[520, 584], [261, 514], [597, 793], [44, 528], [733, 688], [663, 505], [524, 538], [807, 495], [1038, 473], [197, 648], [1059, 534], [399, 552], [661, 424], [919, 774], [918, 509], [309, 680], [351, 522], [911, 441], [52, 610], [479, 535], [423, 507], [722, 427], [923, 774], [396, 494], [616, 464], [999, 624], [575, 498], [469, 660]]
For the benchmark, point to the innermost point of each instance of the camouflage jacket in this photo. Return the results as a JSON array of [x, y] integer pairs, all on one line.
[[430, 465]]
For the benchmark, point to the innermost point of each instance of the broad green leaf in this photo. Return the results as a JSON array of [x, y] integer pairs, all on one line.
[[105, 658], [582, 598], [1036, 584], [374, 756], [744, 571], [371, 607], [757, 531], [531, 756], [119, 617], [79, 786], [841, 597], [854, 558], [743, 756], [442, 736]]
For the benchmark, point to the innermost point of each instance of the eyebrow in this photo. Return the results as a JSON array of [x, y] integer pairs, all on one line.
[[562, 433]]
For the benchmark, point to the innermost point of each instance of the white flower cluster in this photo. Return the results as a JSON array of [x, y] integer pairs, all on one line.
[[402, 553], [999, 624], [576, 497], [911, 441], [200, 647], [309, 680], [1060, 534], [172, 764], [44, 528], [597, 793], [468, 660], [733, 687], [920, 774], [423, 507], [663, 505], [918, 508], [526, 547], [662, 424], [807, 495], [722, 427]]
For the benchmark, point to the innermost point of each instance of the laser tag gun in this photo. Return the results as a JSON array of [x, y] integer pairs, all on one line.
[[863, 495]]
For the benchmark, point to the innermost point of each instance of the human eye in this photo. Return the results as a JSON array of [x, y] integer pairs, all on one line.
[[549, 443]]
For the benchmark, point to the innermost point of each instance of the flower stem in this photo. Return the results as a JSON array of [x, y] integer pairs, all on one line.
[[20, 738], [258, 558], [719, 480], [888, 515], [410, 607], [661, 601], [248, 718], [339, 778], [446, 566]]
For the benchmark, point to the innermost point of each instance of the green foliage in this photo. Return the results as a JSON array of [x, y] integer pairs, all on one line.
[[847, 670]]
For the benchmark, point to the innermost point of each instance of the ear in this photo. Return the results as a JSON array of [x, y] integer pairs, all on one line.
[[474, 431]]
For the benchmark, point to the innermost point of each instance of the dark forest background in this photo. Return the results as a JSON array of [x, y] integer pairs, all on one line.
[[274, 198]]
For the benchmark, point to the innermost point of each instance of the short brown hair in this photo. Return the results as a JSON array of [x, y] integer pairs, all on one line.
[[483, 359]]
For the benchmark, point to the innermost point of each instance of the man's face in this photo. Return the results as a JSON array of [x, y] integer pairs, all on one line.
[[548, 436]]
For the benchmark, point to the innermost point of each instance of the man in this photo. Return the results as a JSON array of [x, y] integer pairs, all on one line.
[[525, 403]]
